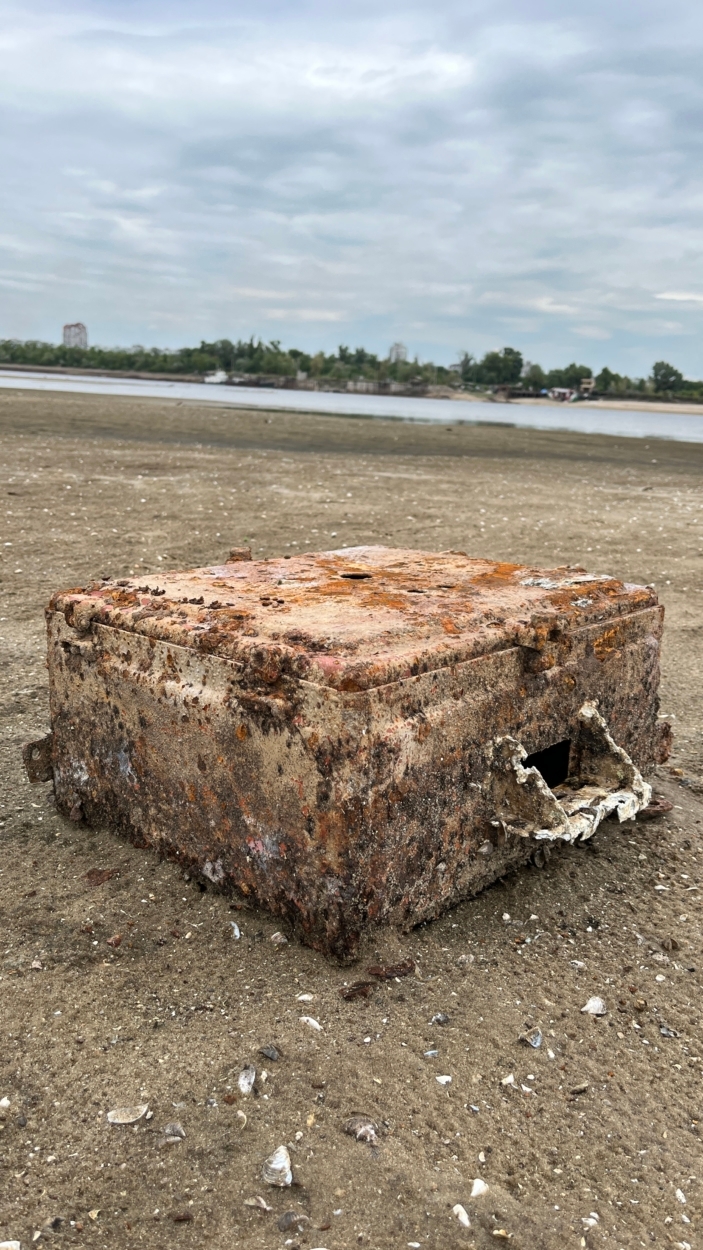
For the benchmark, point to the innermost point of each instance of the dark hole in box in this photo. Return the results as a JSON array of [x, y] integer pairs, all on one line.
[[552, 762], [356, 577]]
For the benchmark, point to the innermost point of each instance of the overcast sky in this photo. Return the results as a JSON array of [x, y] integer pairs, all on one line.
[[455, 175]]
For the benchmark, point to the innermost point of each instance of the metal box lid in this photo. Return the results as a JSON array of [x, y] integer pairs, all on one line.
[[356, 618]]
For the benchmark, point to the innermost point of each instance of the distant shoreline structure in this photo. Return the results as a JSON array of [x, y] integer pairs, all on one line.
[[643, 403]]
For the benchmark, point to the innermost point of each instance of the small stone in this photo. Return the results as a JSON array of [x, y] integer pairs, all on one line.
[[594, 1007], [461, 1215]]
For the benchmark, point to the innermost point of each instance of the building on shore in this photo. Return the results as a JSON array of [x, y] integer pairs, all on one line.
[[75, 335]]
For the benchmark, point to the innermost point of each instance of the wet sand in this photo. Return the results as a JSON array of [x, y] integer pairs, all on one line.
[[97, 485]]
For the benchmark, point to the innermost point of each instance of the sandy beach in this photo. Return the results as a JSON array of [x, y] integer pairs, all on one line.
[[603, 1118]]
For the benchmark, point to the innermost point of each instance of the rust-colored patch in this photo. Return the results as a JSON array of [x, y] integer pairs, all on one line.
[[98, 876]]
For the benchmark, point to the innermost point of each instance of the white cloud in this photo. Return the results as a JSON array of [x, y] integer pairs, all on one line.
[[684, 297]]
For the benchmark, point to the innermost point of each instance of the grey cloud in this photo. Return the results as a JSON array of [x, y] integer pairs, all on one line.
[[455, 179]]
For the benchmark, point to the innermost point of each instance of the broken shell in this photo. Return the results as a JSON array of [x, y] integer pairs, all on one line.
[[304, 998], [479, 1188], [293, 1221], [279, 939], [440, 1017], [127, 1115], [508, 1080], [311, 1023], [500, 1232], [363, 1128], [579, 1089], [443, 1080], [236, 931], [532, 1038], [461, 1215], [241, 1116], [270, 1052], [276, 1169], [666, 1031], [595, 1007], [173, 1133], [259, 1202], [246, 1079]]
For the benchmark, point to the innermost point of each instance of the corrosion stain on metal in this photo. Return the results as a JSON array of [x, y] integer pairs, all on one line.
[[321, 733]]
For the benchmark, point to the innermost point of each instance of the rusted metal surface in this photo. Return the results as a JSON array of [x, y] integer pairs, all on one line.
[[338, 735]]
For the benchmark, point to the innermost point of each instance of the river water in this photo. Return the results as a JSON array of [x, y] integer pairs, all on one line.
[[581, 418]]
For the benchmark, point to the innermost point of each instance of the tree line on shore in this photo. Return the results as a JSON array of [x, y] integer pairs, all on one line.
[[506, 367]]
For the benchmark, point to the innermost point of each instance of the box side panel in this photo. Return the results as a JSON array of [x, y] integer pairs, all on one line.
[[410, 778], [161, 743]]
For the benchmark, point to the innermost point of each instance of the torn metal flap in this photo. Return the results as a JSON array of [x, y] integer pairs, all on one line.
[[602, 781]]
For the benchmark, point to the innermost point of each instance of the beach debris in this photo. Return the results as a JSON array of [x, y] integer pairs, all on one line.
[[304, 998], [506, 917], [443, 1080], [277, 1169], [242, 1116], [115, 941], [657, 806], [386, 972], [292, 1221], [533, 1038], [4, 1103], [311, 1022], [681, 1197], [508, 1080], [502, 1233], [431, 1054], [127, 1115], [594, 1007], [279, 939], [578, 964], [173, 1133], [591, 1220], [670, 944], [236, 931], [270, 1052], [246, 1079], [461, 1215], [440, 1017], [479, 1188], [363, 1128], [37, 965], [182, 1217], [666, 1031], [10, 1245], [579, 1089], [359, 989], [464, 961], [98, 876], [260, 1203]]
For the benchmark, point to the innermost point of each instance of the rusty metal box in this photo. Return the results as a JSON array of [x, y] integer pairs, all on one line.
[[357, 736]]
